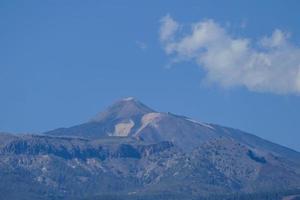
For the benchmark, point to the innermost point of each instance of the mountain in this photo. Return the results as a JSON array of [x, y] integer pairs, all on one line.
[[130, 151], [130, 118], [117, 120]]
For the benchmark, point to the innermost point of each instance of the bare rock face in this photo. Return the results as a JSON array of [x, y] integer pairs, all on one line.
[[130, 151]]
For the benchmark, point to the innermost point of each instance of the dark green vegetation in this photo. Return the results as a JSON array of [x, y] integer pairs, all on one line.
[[131, 152]]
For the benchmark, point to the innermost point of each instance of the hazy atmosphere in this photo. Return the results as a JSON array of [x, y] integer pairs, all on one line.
[[61, 62]]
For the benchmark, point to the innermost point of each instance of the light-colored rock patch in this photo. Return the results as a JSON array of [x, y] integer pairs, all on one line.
[[147, 119], [123, 129], [201, 123]]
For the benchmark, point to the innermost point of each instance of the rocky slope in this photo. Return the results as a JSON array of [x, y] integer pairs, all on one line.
[[130, 151]]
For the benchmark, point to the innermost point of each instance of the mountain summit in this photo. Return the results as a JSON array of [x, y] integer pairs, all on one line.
[[126, 108], [129, 117]]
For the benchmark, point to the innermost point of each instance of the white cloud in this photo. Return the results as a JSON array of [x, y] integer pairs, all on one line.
[[271, 66], [168, 28]]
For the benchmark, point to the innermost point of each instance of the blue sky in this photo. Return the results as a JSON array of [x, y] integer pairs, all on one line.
[[63, 61]]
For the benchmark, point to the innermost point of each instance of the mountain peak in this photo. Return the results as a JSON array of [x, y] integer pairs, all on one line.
[[125, 108]]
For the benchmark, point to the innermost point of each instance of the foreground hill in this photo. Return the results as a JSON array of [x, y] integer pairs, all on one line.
[[130, 151]]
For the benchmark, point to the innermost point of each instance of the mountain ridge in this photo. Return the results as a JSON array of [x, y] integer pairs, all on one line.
[[125, 117]]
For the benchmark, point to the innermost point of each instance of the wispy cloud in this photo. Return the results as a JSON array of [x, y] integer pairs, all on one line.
[[141, 45], [271, 64]]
